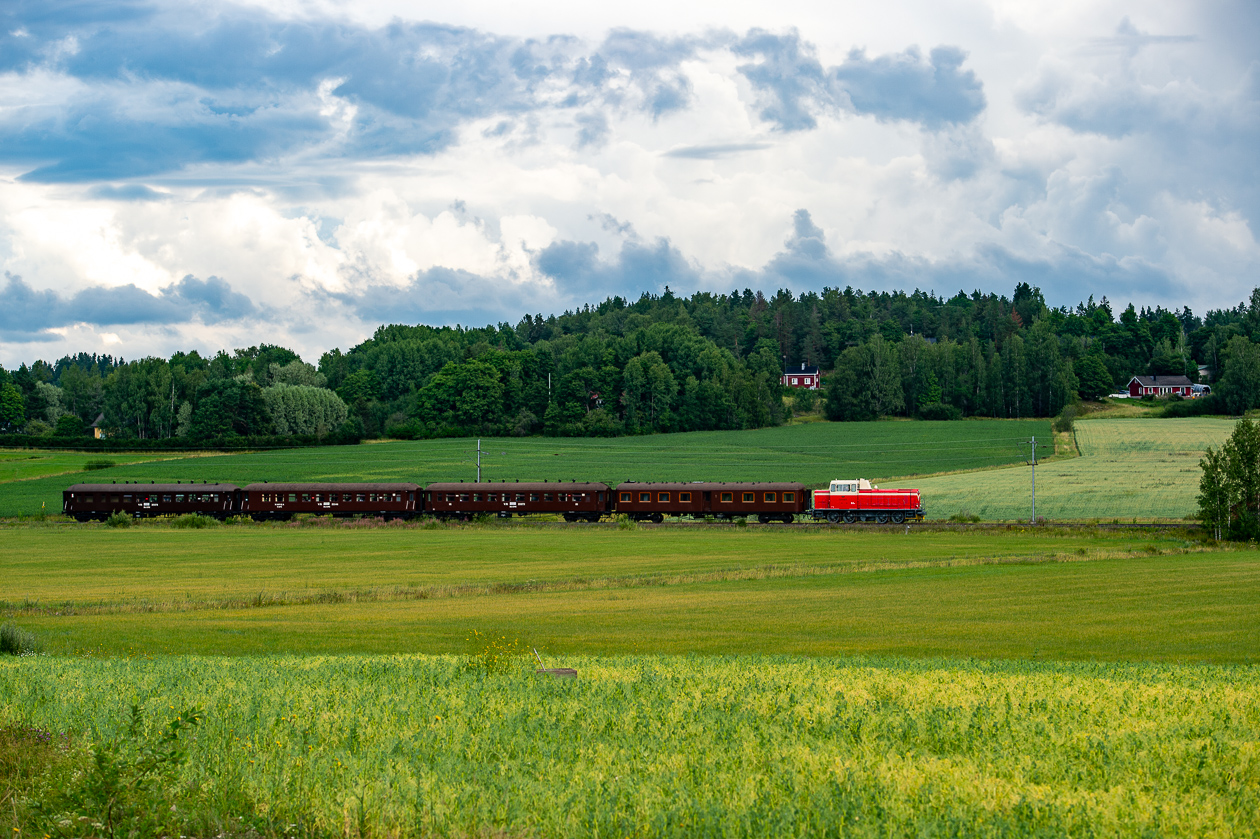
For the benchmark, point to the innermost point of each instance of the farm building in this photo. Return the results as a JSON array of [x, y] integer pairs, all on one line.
[[1165, 386], [806, 377]]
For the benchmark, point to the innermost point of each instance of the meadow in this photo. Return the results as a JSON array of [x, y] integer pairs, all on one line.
[[351, 588], [813, 453], [26, 464], [1128, 469], [641, 745]]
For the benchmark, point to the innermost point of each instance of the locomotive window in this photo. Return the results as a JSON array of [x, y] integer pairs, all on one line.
[[546, 496], [662, 497], [789, 497], [533, 496], [684, 498], [625, 496], [727, 497], [748, 497], [645, 496], [770, 497]]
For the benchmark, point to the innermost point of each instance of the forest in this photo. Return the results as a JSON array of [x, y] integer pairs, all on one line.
[[658, 364]]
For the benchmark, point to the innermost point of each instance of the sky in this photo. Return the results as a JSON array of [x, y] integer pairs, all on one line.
[[211, 175]]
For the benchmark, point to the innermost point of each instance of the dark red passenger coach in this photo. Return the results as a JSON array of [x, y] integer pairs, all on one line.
[[281, 501], [98, 501], [575, 501], [773, 501]]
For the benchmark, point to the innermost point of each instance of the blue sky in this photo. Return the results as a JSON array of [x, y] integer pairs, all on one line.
[[206, 175]]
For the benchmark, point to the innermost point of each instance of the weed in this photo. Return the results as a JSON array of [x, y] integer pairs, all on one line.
[[98, 463], [17, 641], [965, 517], [118, 519], [494, 655], [193, 521]]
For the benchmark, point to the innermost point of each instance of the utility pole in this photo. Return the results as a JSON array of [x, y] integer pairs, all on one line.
[[1033, 446], [478, 460]]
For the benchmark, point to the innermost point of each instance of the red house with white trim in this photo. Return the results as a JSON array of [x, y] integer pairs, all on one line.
[[806, 377], [1160, 386]]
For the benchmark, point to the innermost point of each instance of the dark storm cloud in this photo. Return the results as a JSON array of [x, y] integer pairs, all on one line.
[[31, 311], [935, 91]]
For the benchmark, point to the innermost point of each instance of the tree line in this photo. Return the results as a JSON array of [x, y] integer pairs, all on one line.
[[660, 363]]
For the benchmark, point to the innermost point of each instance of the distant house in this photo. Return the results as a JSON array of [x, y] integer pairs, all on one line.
[[98, 427], [806, 377], [1161, 386]]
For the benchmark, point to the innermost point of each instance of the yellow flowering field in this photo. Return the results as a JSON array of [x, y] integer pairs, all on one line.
[[666, 746]]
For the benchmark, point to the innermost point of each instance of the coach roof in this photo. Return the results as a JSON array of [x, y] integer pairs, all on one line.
[[138, 487], [266, 487], [519, 486]]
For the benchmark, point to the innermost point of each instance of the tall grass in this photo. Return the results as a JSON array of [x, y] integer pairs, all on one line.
[[647, 745]]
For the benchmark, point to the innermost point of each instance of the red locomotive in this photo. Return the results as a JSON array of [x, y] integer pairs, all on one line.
[[857, 500]]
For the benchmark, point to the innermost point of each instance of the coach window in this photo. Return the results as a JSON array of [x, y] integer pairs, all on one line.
[[789, 497], [748, 497], [562, 496], [463, 496], [306, 496], [358, 496], [662, 497], [292, 496], [727, 497], [477, 496], [625, 497], [319, 497], [492, 497], [533, 496], [547, 496], [770, 497], [345, 497], [684, 498], [126, 499], [520, 497], [166, 498], [645, 496]]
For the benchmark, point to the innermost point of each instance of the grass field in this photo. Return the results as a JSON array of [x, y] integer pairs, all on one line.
[[647, 746], [25, 464], [821, 591], [1128, 468], [812, 453]]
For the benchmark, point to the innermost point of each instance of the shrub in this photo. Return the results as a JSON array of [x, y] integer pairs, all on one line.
[[193, 521], [17, 641], [939, 411], [1063, 422], [119, 519], [98, 463], [964, 517]]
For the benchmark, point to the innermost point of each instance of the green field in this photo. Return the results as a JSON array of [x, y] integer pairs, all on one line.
[[817, 591], [812, 453], [25, 464], [1128, 469], [650, 746]]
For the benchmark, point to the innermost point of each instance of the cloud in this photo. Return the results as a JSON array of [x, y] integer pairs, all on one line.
[[714, 151], [580, 275], [127, 192], [28, 311], [898, 86]]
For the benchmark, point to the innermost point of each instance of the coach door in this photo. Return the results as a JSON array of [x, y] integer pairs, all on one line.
[[708, 502]]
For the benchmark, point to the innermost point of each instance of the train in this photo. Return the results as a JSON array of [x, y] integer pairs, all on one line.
[[846, 501]]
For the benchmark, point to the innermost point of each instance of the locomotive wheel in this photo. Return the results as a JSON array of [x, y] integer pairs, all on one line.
[[833, 517], [882, 518], [850, 518], [898, 518]]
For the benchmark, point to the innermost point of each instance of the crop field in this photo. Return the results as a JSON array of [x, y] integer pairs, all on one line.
[[1128, 469], [820, 591], [813, 453], [25, 464], [651, 745]]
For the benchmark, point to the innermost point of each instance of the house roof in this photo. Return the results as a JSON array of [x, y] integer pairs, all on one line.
[[99, 422], [1162, 381], [804, 370]]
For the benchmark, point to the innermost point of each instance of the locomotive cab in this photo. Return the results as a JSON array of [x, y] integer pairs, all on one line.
[[851, 486]]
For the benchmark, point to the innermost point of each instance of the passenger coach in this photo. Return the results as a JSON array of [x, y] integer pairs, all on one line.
[[574, 501], [281, 501], [767, 501], [98, 501]]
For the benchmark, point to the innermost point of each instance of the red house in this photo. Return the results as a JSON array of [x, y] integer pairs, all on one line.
[[806, 377], [1160, 386]]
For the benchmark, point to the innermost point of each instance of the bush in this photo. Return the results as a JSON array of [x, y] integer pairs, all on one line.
[[939, 411], [98, 463], [964, 517], [1063, 422], [118, 519], [1203, 406], [193, 521], [17, 641]]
